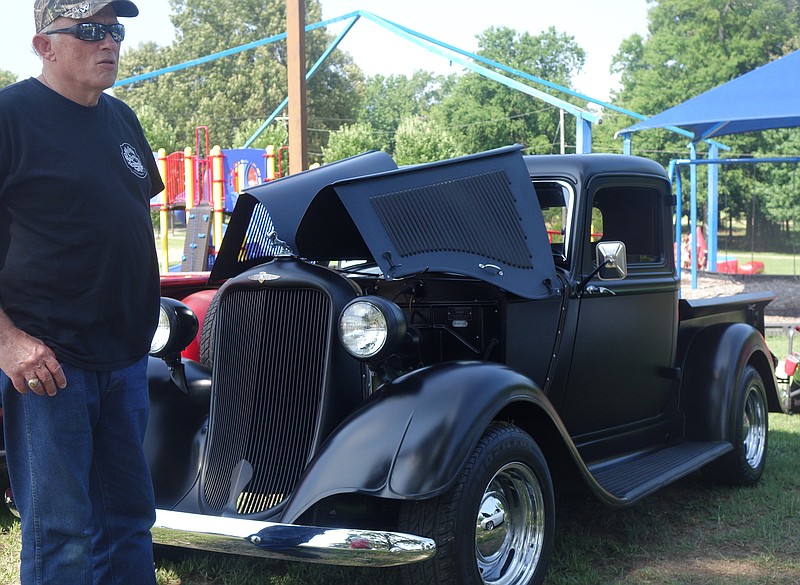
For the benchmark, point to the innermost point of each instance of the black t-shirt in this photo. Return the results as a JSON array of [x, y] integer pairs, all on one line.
[[78, 267]]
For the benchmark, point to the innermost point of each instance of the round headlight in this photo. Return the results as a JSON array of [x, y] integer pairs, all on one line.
[[161, 336], [177, 327], [371, 328]]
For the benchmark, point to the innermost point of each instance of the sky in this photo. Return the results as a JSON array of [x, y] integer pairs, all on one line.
[[598, 26]]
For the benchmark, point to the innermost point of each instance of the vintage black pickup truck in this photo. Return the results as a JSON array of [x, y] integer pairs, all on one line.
[[399, 366]]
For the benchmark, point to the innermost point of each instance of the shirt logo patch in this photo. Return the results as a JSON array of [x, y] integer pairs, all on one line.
[[133, 160]]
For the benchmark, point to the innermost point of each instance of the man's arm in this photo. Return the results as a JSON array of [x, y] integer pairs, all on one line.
[[24, 359]]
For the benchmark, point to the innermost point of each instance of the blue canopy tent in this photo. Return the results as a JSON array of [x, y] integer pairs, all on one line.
[[762, 99]]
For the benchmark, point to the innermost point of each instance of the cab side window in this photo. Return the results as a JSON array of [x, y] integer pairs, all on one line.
[[555, 200], [631, 215]]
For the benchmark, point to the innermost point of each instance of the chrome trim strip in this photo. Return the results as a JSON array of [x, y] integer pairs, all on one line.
[[311, 544]]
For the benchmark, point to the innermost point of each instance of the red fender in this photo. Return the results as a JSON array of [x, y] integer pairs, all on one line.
[[199, 303]]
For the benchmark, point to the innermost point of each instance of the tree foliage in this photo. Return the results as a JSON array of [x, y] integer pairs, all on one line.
[[350, 140], [691, 46], [7, 78], [239, 91], [694, 46], [394, 108], [487, 114], [420, 141]]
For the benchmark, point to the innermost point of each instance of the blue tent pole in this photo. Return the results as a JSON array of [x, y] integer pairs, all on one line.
[[626, 143], [675, 170], [713, 208], [583, 135], [693, 210]]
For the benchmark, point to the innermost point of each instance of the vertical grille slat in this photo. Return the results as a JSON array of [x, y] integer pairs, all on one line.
[[268, 382]]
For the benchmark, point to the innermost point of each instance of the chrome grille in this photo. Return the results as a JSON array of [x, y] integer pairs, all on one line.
[[267, 388]]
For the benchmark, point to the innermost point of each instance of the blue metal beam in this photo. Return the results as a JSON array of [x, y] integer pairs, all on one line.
[[228, 52], [456, 56], [693, 210], [713, 208], [309, 74], [675, 176]]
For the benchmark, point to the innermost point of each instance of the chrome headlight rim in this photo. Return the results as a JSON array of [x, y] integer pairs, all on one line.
[[371, 328]]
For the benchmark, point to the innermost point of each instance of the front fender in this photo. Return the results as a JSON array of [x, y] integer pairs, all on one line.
[[413, 437], [174, 424]]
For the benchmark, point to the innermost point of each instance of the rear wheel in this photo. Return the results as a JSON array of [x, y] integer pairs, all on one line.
[[745, 464], [495, 526]]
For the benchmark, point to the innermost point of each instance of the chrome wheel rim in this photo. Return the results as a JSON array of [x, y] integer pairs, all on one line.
[[754, 427], [509, 550]]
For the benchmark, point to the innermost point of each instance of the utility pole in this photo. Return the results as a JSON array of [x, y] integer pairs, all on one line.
[[298, 117]]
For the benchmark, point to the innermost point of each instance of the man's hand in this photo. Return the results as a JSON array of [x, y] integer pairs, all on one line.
[[29, 363]]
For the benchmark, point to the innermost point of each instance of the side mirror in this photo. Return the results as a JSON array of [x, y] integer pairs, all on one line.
[[612, 261]]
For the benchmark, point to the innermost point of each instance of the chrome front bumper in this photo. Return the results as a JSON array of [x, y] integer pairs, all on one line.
[[310, 544]]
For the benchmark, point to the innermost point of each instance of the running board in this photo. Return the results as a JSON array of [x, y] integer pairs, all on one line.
[[634, 476]]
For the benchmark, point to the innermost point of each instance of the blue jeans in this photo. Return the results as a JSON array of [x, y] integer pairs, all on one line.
[[80, 478]]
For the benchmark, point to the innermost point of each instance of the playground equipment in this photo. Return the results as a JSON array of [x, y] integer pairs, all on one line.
[[206, 182]]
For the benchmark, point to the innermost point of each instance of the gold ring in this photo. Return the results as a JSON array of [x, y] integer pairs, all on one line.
[[33, 383]]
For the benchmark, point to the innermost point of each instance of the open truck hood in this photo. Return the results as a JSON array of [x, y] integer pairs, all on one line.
[[475, 216]]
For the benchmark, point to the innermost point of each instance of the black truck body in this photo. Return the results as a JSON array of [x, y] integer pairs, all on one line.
[[399, 366]]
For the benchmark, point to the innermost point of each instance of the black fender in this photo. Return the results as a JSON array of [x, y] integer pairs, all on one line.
[[712, 367], [175, 429], [411, 439]]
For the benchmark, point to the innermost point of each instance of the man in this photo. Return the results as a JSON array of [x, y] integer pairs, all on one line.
[[78, 304]]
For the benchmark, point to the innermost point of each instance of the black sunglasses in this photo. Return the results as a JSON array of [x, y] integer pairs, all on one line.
[[93, 31]]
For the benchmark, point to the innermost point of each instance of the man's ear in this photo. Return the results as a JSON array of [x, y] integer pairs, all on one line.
[[43, 45]]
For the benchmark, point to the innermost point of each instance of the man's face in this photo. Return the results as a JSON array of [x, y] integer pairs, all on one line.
[[85, 65]]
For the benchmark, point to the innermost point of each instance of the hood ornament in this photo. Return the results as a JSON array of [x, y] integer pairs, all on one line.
[[278, 247]]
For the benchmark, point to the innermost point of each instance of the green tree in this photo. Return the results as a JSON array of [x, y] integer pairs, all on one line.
[[419, 141], [237, 92], [7, 78], [487, 114], [390, 99], [351, 140], [778, 186], [693, 46]]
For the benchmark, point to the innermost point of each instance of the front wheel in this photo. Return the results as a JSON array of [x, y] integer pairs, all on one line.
[[495, 526], [745, 464]]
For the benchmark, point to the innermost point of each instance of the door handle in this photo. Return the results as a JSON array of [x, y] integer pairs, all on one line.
[[599, 290]]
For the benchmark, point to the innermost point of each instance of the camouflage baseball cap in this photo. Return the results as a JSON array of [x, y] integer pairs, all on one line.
[[46, 11]]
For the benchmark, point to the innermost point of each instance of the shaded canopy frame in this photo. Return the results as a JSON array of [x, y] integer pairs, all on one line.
[[713, 163], [584, 118], [762, 99]]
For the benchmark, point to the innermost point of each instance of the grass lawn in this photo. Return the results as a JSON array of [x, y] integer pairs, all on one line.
[[688, 533], [774, 264], [175, 242]]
